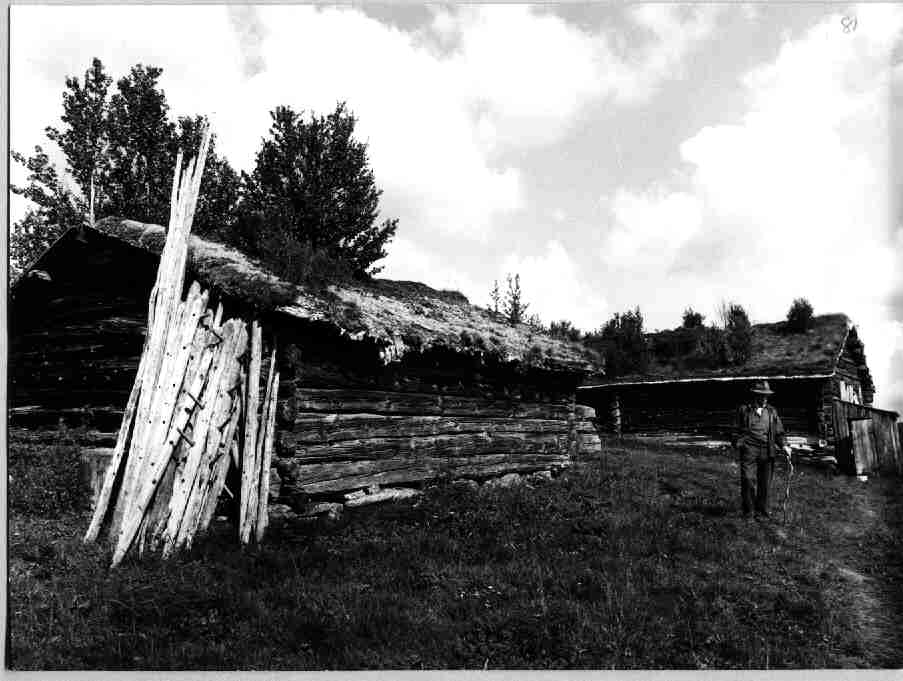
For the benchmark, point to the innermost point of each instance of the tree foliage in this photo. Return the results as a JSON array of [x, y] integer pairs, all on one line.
[[84, 139], [54, 208], [309, 209], [692, 319], [495, 297], [800, 317], [622, 342], [514, 308], [312, 183], [119, 149], [565, 330], [737, 332]]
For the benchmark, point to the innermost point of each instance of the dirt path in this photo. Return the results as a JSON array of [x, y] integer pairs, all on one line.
[[868, 559]]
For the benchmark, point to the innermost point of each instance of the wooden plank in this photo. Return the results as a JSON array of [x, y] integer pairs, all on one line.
[[319, 428], [157, 402], [863, 449], [215, 450], [338, 477], [265, 447], [388, 402], [453, 444], [152, 447], [249, 465], [116, 465], [211, 408], [226, 458]]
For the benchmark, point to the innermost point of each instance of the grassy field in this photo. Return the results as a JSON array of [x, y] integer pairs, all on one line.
[[638, 559]]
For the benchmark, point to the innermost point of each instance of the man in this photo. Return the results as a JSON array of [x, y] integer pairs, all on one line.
[[759, 433]]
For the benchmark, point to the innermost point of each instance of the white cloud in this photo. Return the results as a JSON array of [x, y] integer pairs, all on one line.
[[410, 261], [676, 30], [794, 199], [528, 76], [650, 227], [555, 287], [507, 77]]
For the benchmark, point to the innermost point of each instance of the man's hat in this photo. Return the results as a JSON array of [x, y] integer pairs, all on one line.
[[762, 388]]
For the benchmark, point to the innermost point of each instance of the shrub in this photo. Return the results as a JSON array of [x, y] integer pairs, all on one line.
[[737, 331], [800, 316], [286, 256], [514, 308], [564, 330], [45, 478], [692, 319], [622, 343]]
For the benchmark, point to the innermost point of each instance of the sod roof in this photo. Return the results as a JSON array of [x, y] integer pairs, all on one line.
[[776, 353], [399, 315]]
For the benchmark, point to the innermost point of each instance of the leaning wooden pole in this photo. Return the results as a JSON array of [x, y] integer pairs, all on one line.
[[249, 463], [265, 447]]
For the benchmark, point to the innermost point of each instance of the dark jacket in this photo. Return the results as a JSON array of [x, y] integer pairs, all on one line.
[[743, 434]]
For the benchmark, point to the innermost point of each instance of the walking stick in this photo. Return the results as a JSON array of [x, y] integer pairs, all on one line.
[[789, 478]]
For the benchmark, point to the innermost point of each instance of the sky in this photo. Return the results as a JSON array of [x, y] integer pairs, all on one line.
[[652, 155]]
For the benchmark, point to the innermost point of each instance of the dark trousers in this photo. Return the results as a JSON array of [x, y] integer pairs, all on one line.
[[756, 472]]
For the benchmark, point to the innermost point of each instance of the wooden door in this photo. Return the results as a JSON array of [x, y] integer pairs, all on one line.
[[861, 433]]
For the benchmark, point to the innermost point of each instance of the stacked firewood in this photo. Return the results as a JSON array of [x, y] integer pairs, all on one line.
[[193, 410]]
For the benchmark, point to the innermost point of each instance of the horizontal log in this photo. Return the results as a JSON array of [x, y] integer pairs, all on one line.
[[337, 477], [386, 402], [396, 494], [446, 376], [464, 444], [328, 428]]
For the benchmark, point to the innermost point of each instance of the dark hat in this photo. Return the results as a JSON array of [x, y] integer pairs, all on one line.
[[762, 388]]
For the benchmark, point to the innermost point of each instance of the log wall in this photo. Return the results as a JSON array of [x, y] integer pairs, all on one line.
[[345, 420], [75, 339], [705, 408], [346, 425]]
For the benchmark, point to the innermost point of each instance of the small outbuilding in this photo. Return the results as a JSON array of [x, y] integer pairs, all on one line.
[[382, 382], [820, 380]]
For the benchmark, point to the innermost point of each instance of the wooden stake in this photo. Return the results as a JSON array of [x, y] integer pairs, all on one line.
[[248, 499], [265, 447]]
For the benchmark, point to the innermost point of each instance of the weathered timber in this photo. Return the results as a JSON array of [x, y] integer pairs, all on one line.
[[310, 428], [861, 435], [887, 454], [380, 402], [445, 378], [249, 464], [265, 448], [342, 476], [395, 494], [464, 444]]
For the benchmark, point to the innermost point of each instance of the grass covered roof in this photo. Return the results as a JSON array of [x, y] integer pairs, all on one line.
[[399, 315], [776, 352]]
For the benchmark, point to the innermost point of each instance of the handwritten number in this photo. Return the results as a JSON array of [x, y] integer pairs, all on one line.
[[849, 24]]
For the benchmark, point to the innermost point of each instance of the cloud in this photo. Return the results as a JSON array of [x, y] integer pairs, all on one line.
[[528, 76], [437, 105], [650, 227], [554, 286], [676, 31], [410, 261], [251, 33], [791, 200]]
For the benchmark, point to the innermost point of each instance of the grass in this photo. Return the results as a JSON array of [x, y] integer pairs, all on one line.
[[636, 560]]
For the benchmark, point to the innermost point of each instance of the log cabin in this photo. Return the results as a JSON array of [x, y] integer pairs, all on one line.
[[382, 382], [820, 380]]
